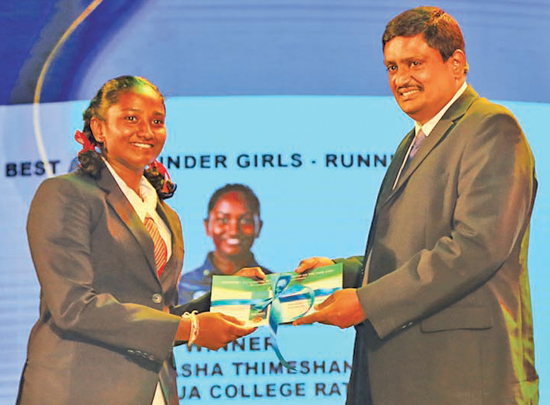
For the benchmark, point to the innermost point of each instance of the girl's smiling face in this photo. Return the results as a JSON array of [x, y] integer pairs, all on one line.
[[133, 130]]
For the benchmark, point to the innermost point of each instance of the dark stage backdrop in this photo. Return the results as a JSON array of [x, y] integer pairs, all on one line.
[[289, 97]]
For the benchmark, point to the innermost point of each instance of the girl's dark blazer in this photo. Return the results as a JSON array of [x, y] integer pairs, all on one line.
[[103, 334]]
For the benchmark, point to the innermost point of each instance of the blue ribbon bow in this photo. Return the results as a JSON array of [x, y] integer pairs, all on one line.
[[283, 293]]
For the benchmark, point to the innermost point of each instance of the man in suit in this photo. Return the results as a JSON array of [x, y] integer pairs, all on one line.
[[440, 300]]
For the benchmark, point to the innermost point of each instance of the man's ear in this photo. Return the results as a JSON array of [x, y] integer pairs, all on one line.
[[458, 63], [97, 127]]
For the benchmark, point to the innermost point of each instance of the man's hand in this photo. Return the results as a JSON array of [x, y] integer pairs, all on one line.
[[341, 309], [313, 263]]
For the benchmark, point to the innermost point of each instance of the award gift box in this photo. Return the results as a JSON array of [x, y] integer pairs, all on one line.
[[280, 298]]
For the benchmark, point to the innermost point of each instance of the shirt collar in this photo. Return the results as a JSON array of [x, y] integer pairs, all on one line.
[[430, 125], [142, 205]]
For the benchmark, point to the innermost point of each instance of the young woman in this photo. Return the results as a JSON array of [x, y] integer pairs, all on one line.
[[233, 222], [108, 252]]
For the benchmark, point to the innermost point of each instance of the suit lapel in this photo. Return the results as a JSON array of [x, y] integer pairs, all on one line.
[[386, 188], [426, 147], [120, 204], [393, 169], [438, 134]]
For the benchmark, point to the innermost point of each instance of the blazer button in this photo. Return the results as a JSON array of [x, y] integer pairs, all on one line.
[[157, 298]]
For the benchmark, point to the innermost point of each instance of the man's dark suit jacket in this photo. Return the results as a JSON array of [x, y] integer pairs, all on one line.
[[447, 299], [102, 336]]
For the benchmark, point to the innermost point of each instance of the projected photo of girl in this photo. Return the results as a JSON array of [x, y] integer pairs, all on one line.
[[233, 222]]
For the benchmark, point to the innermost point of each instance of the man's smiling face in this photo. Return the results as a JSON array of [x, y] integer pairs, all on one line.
[[421, 82]]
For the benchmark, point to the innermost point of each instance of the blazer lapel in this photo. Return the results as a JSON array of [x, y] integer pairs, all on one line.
[[386, 188], [426, 147], [438, 134], [120, 204], [393, 169]]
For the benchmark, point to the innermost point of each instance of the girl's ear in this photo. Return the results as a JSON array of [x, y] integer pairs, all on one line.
[[97, 127]]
